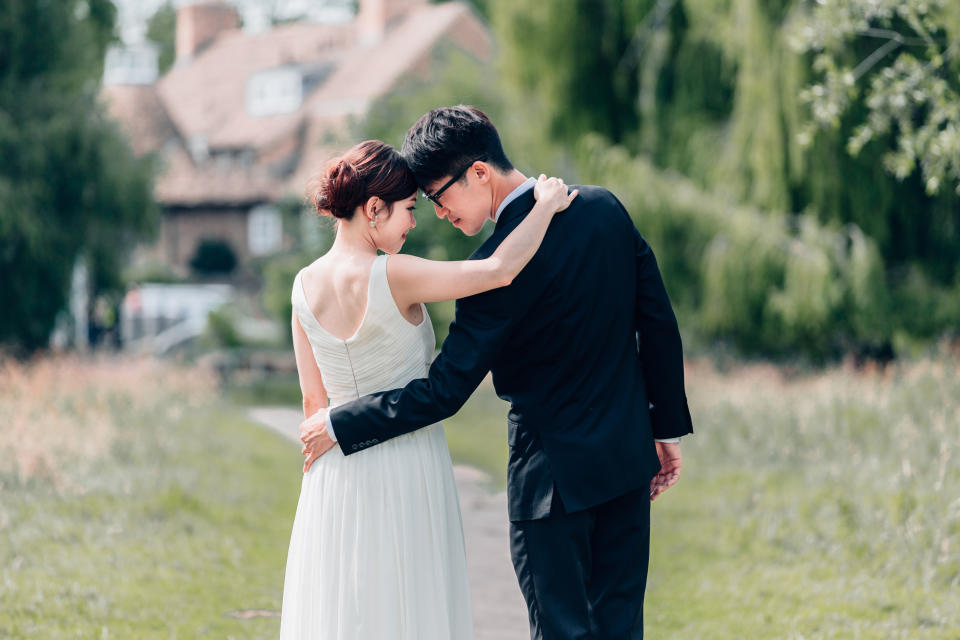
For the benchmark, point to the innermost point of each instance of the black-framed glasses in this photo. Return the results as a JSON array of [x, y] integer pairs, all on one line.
[[433, 197]]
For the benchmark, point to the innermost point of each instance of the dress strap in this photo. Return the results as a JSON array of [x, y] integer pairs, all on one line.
[[379, 287], [298, 300]]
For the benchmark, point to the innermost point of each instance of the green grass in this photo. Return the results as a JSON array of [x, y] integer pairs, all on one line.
[[184, 523], [824, 506], [275, 389], [477, 435]]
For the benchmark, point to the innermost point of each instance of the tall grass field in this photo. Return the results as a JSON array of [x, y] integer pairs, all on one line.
[[823, 505], [137, 501], [134, 504]]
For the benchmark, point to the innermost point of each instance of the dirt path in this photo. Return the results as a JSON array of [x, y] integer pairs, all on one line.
[[498, 609]]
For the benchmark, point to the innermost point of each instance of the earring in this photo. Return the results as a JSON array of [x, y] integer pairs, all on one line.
[[373, 222]]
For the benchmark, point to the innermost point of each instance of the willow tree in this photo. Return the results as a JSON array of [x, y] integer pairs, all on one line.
[[909, 80]]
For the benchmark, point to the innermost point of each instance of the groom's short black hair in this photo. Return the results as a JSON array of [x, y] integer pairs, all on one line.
[[445, 140]]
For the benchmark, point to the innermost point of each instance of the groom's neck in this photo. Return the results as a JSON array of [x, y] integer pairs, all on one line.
[[503, 184]]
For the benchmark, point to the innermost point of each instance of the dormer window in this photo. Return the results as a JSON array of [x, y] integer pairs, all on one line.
[[274, 92], [131, 64]]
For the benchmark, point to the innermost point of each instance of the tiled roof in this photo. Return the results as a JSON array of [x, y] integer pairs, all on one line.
[[366, 73], [204, 99], [139, 110], [206, 96], [183, 183]]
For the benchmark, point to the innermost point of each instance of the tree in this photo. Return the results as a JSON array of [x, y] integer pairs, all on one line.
[[162, 30], [69, 184], [902, 57], [574, 62]]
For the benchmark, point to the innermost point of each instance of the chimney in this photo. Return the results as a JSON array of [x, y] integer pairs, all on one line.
[[374, 17], [199, 23]]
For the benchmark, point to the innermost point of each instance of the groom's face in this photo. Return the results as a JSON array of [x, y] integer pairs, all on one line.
[[466, 202]]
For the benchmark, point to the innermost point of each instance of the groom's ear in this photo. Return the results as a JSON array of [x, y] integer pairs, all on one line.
[[482, 171]]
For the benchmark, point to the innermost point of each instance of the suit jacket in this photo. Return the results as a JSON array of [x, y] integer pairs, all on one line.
[[583, 344]]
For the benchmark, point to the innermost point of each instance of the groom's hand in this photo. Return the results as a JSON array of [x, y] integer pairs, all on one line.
[[316, 440], [669, 454]]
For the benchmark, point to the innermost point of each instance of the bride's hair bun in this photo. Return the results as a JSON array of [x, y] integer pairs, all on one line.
[[369, 169], [340, 190]]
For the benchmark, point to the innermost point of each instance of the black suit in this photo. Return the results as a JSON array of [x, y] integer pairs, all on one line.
[[585, 347]]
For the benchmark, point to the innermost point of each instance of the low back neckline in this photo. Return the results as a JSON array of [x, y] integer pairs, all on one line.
[[371, 291], [366, 309]]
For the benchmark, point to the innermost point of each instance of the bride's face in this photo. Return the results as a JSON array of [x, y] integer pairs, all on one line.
[[391, 231]]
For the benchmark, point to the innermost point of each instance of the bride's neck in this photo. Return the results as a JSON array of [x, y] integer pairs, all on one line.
[[353, 236]]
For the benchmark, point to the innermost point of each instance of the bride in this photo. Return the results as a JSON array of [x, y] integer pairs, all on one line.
[[376, 551]]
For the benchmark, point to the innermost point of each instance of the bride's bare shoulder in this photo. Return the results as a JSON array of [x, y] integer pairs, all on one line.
[[315, 270]]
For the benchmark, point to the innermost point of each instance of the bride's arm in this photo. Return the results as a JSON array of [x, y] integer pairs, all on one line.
[[311, 384], [414, 280]]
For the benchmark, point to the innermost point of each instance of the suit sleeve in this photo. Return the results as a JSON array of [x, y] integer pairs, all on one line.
[[481, 324], [660, 348]]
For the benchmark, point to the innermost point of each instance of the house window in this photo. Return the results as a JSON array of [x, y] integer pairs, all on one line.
[[274, 92], [264, 230]]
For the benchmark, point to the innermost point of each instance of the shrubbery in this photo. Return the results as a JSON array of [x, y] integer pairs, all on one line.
[[772, 283], [213, 256]]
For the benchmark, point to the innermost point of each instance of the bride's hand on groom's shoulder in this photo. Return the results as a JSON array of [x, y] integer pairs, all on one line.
[[553, 193], [316, 440]]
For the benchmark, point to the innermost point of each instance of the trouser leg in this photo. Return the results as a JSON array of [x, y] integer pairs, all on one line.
[[552, 558], [621, 549]]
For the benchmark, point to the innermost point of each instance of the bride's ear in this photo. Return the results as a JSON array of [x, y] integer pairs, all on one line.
[[372, 208]]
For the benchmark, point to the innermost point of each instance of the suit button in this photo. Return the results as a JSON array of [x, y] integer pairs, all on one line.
[[375, 441], [354, 447]]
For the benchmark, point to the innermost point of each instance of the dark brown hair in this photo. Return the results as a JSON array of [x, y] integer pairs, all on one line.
[[372, 168], [445, 140]]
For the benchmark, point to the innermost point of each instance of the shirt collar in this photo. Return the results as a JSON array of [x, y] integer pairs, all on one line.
[[522, 188]]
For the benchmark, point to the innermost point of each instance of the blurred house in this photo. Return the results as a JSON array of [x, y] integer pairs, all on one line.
[[243, 119]]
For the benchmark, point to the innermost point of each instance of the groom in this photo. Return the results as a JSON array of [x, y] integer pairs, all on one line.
[[585, 347]]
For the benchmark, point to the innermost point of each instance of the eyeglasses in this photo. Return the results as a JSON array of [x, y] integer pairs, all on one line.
[[434, 197]]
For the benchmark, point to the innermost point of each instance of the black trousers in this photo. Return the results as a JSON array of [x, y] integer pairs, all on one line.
[[584, 574]]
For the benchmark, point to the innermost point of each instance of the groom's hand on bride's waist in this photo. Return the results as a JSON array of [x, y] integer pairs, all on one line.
[[315, 437]]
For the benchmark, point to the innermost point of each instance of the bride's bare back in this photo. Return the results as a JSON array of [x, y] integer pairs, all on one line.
[[336, 288]]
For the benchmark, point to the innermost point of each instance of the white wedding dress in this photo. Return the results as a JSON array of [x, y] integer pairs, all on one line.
[[376, 551]]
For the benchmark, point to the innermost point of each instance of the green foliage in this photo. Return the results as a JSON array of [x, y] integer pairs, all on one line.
[[154, 270], [774, 284], [278, 275], [69, 183], [213, 256], [575, 64], [162, 30], [912, 75], [719, 97], [221, 330]]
